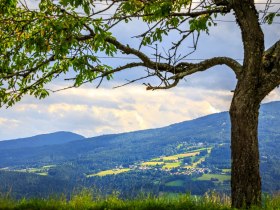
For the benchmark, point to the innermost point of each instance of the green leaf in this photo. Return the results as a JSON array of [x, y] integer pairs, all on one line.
[[270, 17]]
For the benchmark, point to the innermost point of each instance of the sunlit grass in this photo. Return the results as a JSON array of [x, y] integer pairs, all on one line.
[[42, 173], [171, 165], [110, 172], [49, 166], [152, 163], [86, 200]]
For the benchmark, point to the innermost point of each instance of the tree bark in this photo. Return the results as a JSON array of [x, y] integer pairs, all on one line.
[[244, 110], [245, 177]]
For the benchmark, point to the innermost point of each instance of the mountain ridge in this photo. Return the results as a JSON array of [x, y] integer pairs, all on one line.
[[215, 128], [55, 138], [263, 108]]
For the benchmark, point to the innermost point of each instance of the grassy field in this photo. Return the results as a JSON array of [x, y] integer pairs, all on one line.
[[167, 162], [179, 146], [174, 161], [226, 170], [152, 163], [86, 200], [109, 172], [49, 166], [43, 171], [180, 156], [220, 177], [171, 165]]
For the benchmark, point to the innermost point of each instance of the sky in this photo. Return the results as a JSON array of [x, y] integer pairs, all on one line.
[[90, 112]]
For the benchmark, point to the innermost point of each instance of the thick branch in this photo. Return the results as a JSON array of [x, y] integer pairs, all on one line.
[[252, 35], [204, 12], [129, 50], [186, 69], [190, 14], [271, 69], [183, 69], [179, 71]]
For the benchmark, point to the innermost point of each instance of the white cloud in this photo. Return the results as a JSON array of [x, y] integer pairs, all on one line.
[[92, 112], [97, 111], [5, 121]]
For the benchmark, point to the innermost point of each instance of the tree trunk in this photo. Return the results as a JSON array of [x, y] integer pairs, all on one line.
[[245, 177]]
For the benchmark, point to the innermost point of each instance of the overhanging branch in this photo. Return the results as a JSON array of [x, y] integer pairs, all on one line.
[[186, 69], [179, 71]]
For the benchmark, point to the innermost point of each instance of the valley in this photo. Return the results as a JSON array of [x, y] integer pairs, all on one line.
[[192, 156]]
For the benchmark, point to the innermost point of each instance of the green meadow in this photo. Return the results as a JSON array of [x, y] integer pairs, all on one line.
[[86, 200], [110, 172]]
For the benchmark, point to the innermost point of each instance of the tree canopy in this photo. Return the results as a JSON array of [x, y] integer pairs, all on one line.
[[44, 40]]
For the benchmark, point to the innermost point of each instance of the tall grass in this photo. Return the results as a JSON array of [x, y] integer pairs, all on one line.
[[86, 200]]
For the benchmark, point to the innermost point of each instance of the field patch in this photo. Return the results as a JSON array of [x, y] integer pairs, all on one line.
[[109, 172], [171, 165], [179, 156], [226, 170], [42, 171], [48, 166], [152, 163], [214, 177]]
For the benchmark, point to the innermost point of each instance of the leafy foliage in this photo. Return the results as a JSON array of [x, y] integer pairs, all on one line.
[[65, 39], [269, 18], [39, 45]]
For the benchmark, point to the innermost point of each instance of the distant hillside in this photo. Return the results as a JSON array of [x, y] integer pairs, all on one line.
[[61, 146], [56, 138], [191, 156]]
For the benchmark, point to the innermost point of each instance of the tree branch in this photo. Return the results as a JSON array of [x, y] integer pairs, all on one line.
[[179, 71], [26, 72], [103, 74], [191, 14], [167, 86], [204, 12], [271, 68], [252, 35], [129, 50], [186, 69]]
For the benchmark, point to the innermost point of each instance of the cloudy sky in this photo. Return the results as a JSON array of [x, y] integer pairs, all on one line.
[[90, 111]]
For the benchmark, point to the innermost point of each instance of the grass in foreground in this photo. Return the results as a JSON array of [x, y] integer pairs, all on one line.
[[85, 200]]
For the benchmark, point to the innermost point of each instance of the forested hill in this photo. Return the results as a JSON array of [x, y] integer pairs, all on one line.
[[191, 156], [56, 138], [131, 146], [62, 146]]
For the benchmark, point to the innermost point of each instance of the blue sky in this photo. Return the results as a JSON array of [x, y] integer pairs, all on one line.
[[90, 111]]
